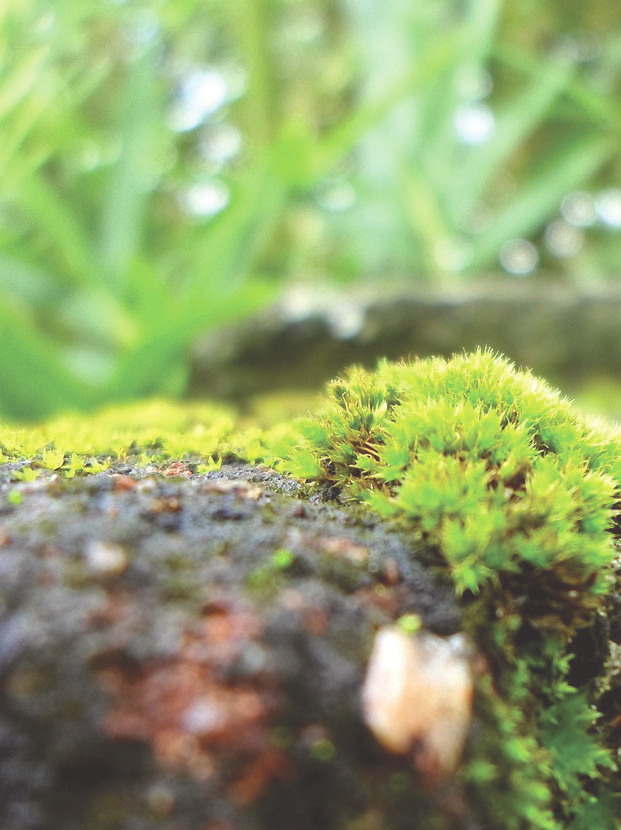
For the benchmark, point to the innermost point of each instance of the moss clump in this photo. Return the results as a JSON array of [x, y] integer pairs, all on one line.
[[515, 491]]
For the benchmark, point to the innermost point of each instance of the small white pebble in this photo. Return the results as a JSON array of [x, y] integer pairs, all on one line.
[[417, 696], [105, 558], [203, 717]]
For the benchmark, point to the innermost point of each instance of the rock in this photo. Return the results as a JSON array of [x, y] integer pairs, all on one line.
[[189, 653], [564, 333]]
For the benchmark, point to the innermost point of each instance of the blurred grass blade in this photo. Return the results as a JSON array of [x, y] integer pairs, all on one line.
[[436, 59], [539, 198], [29, 96], [599, 106], [162, 352], [19, 81], [29, 283], [515, 121], [427, 220], [483, 17], [62, 227], [97, 318], [16, 162], [250, 24], [33, 380], [437, 102], [124, 207], [147, 296], [223, 253]]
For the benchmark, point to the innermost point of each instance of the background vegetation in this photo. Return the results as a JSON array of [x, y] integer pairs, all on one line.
[[168, 167]]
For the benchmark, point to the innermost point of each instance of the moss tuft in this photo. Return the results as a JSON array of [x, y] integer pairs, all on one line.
[[516, 491]]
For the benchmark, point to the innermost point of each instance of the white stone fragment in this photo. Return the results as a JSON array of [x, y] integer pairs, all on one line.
[[105, 558], [417, 696]]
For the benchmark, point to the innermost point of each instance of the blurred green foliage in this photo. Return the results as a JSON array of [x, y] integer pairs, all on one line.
[[168, 167]]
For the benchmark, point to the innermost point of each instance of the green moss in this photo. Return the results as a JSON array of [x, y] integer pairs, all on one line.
[[515, 490], [505, 483], [153, 431], [265, 578], [410, 623]]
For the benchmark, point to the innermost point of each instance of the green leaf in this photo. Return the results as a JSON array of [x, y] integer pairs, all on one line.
[[61, 226], [223, 253], [441, 54], [162, 351], [18, 80], [124, 206], [567, 168], [33, 380], [515, 120], [28, 282]]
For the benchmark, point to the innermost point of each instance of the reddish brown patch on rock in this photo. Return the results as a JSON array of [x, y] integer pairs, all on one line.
[[178, 468], [298, 511], [201, 711], [316, 621], [123, 482], [391, 574], [380, 598], [165, 505], [257, 775], [315, 618]]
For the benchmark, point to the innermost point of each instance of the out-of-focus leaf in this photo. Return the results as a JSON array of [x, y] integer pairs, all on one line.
[[600, 107], [20, 79], [145, 369], [15, 131], [33, 381], [421, 205], [125, 204], [223, 252], [27, 282], [96, 317], [515, 120], [437, 57], [63, 228], [146, 293], [566, 169], [438, 100]]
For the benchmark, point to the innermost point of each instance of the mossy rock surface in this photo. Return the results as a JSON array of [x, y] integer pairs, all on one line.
[[188, 643]]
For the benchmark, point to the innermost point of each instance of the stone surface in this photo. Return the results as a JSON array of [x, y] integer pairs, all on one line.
[[187, 652]]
